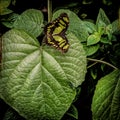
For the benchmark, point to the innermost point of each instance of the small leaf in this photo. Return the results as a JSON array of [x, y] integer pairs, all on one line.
[[73, 112], [93, 73], [31, 21], [93, 39], [90, 50], [3, 7], [85, 2], [4, 3], [90, 27], [39, 81], [105, 40], [106, 100], [10, 20], [102, 18], [116, 27], [107, 2], [109, 29], [5, 11], [102, 22]]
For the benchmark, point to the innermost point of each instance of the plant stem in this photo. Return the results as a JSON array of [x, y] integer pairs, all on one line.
[[49, 10], [101, 61]]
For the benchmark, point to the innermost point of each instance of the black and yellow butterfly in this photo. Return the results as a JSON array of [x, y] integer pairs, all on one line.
[[55, 33]]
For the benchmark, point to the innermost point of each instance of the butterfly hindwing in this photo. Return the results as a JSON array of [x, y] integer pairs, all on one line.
[[55, 33]]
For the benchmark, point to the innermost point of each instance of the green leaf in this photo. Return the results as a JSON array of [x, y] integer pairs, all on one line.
[[4, 3], [101, 27], [5, 11], [73, 112], [105, 40], [102, 22], [116, 27], [106, 100], [39, 81], [93, 39], [86, 2], [109, 32], [76, 25], [109, 29], [90, 27], [107, 2], [9, 21], [102, 18], [90, 50], [3, 7], [31, 21], [93, 73]]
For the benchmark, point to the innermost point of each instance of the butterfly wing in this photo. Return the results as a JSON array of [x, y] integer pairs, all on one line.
[[61, 24], [55, 33], [61, 43]]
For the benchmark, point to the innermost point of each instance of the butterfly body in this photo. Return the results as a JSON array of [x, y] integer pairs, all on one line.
[[55, 33]]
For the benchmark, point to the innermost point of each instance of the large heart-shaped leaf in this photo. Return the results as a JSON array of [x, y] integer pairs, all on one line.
[[39, 81]]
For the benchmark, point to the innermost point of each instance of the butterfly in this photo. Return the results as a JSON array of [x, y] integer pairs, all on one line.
[[55, 33]]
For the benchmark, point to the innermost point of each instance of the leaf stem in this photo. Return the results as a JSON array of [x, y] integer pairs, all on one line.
[[100, 61], [49, 10]]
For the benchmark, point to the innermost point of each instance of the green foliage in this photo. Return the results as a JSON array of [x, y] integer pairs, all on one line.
[[105, 104], [9, 20], [93, 39], [101, 33], [3, 7], [90, 50], [106, 100], [73, 112], [116, 27], [38, 81]]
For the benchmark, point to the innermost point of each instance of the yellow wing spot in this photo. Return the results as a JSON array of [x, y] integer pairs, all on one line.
[[61, 23], [49, 41], [58, 30], [65, 19], [66, 46]]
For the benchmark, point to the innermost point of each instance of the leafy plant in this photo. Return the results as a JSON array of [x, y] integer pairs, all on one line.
[[100, 34], [3, 7], [40, 82], [105, 103]]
